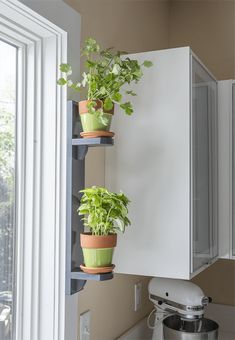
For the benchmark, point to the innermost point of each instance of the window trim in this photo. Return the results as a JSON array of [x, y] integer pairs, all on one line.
[[41, 173]]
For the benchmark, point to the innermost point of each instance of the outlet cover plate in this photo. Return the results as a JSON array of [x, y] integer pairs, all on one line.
[[85, 320], [138, 295]]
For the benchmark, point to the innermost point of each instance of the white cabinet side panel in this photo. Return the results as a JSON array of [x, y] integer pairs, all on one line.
[[150, 162]]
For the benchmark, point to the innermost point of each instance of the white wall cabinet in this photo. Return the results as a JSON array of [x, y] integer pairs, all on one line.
[[165, 160]]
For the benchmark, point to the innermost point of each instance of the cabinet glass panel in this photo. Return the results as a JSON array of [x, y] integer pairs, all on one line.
[[203, 113], [8, 55]]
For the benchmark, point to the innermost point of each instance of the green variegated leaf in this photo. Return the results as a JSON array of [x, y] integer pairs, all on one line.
[[131, 93], [116, 69], [148, 63], [90, 63], [127, 107], [102, 90], [65, 68], [117, 97], [61, 81], [108, 104]]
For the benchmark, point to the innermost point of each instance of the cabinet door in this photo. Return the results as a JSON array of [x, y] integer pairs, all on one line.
[[204, 166]]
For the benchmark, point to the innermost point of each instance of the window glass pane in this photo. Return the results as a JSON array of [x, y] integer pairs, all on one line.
[[8, 55]]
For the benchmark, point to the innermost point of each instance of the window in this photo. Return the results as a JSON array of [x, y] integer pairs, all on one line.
[[32, 176]]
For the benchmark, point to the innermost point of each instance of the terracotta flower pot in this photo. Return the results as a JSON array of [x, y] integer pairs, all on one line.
[[90, 122], [98, 250]]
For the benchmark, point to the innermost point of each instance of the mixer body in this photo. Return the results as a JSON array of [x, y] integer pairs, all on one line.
[[179, 309]]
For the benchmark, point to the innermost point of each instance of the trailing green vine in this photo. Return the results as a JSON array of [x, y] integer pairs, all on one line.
[[107, 73]]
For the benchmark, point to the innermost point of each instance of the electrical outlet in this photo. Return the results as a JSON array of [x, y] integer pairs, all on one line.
[[85, 319], [138, 294]]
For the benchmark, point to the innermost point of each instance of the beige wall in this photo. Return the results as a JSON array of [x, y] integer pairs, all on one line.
[[209, 28], [218, 281], [131, 25], [111, 305], [126, 25]]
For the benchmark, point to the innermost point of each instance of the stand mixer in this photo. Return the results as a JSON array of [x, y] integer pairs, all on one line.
[[179, 309]]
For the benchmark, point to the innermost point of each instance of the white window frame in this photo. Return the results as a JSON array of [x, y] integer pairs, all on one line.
[[40, 173]]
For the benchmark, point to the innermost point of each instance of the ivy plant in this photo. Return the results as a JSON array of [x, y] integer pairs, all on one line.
[[104, 212], [106, 74]]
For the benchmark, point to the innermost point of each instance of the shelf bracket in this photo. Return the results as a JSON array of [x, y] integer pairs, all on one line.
[[77, 149], [82, 151]]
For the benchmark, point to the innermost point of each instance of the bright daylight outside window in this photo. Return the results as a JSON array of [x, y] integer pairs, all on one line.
[[8, 57]]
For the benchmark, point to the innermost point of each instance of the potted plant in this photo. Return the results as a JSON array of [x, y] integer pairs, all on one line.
[[105, 213], [107, 72]]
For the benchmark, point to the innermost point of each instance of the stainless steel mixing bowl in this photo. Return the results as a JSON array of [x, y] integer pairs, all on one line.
[[176, 328]]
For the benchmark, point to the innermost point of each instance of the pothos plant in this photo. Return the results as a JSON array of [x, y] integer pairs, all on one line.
[[106, 74], [105, 212]]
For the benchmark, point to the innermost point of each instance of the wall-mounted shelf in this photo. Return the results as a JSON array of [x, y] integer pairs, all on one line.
[[78, 274], [84, 143], [76, 150], [101, 141]]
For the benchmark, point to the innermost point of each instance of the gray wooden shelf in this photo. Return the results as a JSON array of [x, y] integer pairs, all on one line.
[[76, 150], [100, 141], [78, 274]]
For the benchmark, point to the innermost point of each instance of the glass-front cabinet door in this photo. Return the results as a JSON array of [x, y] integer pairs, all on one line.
[[204, 166]]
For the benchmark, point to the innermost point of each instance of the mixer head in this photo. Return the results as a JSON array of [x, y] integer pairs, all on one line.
[[178, 297]]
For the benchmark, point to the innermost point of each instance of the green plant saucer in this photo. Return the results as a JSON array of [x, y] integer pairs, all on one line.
[[95, 134]]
